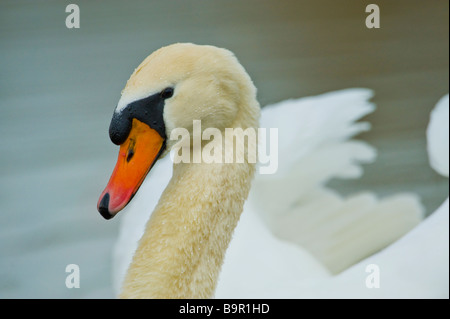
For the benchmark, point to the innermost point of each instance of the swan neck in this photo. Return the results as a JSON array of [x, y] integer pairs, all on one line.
[[182, 250]]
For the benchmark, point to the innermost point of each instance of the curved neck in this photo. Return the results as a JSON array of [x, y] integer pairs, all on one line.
[[184, 244], [182, 250]]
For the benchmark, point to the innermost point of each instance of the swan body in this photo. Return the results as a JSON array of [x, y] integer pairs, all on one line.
[[414, 266], [294, 235]]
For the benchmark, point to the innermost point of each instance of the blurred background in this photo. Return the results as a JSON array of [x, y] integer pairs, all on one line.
[[59, 87]]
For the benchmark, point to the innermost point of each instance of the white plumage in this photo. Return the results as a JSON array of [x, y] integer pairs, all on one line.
[[296, 234], [438, 135]]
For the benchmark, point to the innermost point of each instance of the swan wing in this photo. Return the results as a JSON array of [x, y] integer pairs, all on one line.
[[315, 145], [416, 266], [438, 137]]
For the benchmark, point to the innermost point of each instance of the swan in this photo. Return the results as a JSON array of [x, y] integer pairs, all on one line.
[[178, 250]]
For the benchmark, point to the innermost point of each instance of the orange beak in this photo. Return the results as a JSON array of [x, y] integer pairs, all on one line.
[[137, 155]]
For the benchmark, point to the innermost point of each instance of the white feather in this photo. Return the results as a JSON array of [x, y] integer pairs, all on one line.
[[438, 137], [295, 233]]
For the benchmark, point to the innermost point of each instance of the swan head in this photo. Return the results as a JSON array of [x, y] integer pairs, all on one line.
[[171, 88]]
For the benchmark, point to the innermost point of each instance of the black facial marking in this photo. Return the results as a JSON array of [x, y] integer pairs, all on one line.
[[148, 110]]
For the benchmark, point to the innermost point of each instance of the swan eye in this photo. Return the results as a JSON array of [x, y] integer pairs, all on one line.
[[166, 93]]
